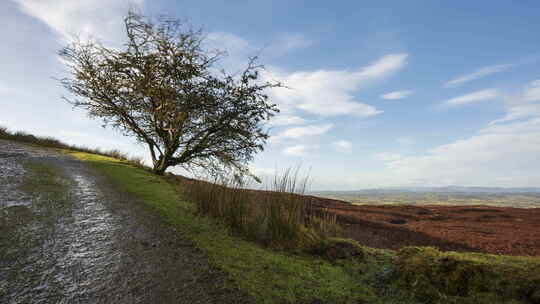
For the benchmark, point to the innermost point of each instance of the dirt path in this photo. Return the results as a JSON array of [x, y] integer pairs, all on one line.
[[88, 243]]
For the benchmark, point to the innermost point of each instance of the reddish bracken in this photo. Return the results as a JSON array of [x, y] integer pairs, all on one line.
[[497, 230]]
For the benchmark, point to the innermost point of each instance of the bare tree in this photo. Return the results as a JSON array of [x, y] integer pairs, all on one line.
[[163, 88]]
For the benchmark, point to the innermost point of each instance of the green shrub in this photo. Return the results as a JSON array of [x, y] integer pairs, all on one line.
[[447, 277], [339, 248]]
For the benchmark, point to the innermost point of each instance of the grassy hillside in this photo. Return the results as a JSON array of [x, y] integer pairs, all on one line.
[[269, 276], [331, 271], [341, 272]]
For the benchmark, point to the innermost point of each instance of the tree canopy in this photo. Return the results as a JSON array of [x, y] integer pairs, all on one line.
[[164, 89]]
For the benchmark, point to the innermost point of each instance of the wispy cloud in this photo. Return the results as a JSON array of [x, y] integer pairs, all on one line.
[[321, 92], [405, 141], [482, 72], [487, 158], [287, 43], [238, 50], [298, 132], [287, 120], [532, 92], [330, 93], [384, 66], [298, 150], [500, 154], [397, 95], [4, 89], [474, 97], [524, 105], [83, 19], [387, 156], [229, 42], [344, 146]]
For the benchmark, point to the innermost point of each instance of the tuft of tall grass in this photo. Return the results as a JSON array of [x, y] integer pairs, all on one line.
[[281, 217], [51, 142]]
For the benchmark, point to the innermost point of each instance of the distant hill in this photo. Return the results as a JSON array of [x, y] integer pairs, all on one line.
[[451, 195], [446, 189]]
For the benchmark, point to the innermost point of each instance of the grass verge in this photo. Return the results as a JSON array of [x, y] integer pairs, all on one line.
[[354, 275], [51, 142], [268, 276], [350, 273]]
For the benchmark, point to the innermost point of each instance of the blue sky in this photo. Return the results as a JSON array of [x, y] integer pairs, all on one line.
[[383, 93]]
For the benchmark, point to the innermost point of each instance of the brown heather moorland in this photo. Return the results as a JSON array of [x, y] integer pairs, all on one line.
[[488, 229]]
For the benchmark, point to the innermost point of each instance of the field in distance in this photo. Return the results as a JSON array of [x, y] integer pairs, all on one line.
[[465, 196]]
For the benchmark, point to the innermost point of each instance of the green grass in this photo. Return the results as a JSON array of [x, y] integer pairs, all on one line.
[[50, 142], [276, 218], [449, 277], [268, 276], [412, 275]]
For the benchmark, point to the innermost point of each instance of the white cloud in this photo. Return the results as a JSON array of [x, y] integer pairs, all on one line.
[[298, 150], [485, 71], [102, 20], [387, 156], [384, 66], [286, 43], [343, 146], [497, 155], [4, 89], [532, 92], [299, 132], [519, 112], [227, 41], [237, 46], [286, 120], [239, 50], [321, 92], [405, 141], [330, 93], [474, 97], [524, 105], [397, 95]]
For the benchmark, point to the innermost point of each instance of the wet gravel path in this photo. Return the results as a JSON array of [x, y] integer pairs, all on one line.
[[92, 244]]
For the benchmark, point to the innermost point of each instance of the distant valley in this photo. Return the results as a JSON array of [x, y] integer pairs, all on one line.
[[450, 195]]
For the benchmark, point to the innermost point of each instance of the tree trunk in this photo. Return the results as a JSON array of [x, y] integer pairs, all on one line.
[[160, 166], [158, 171]]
